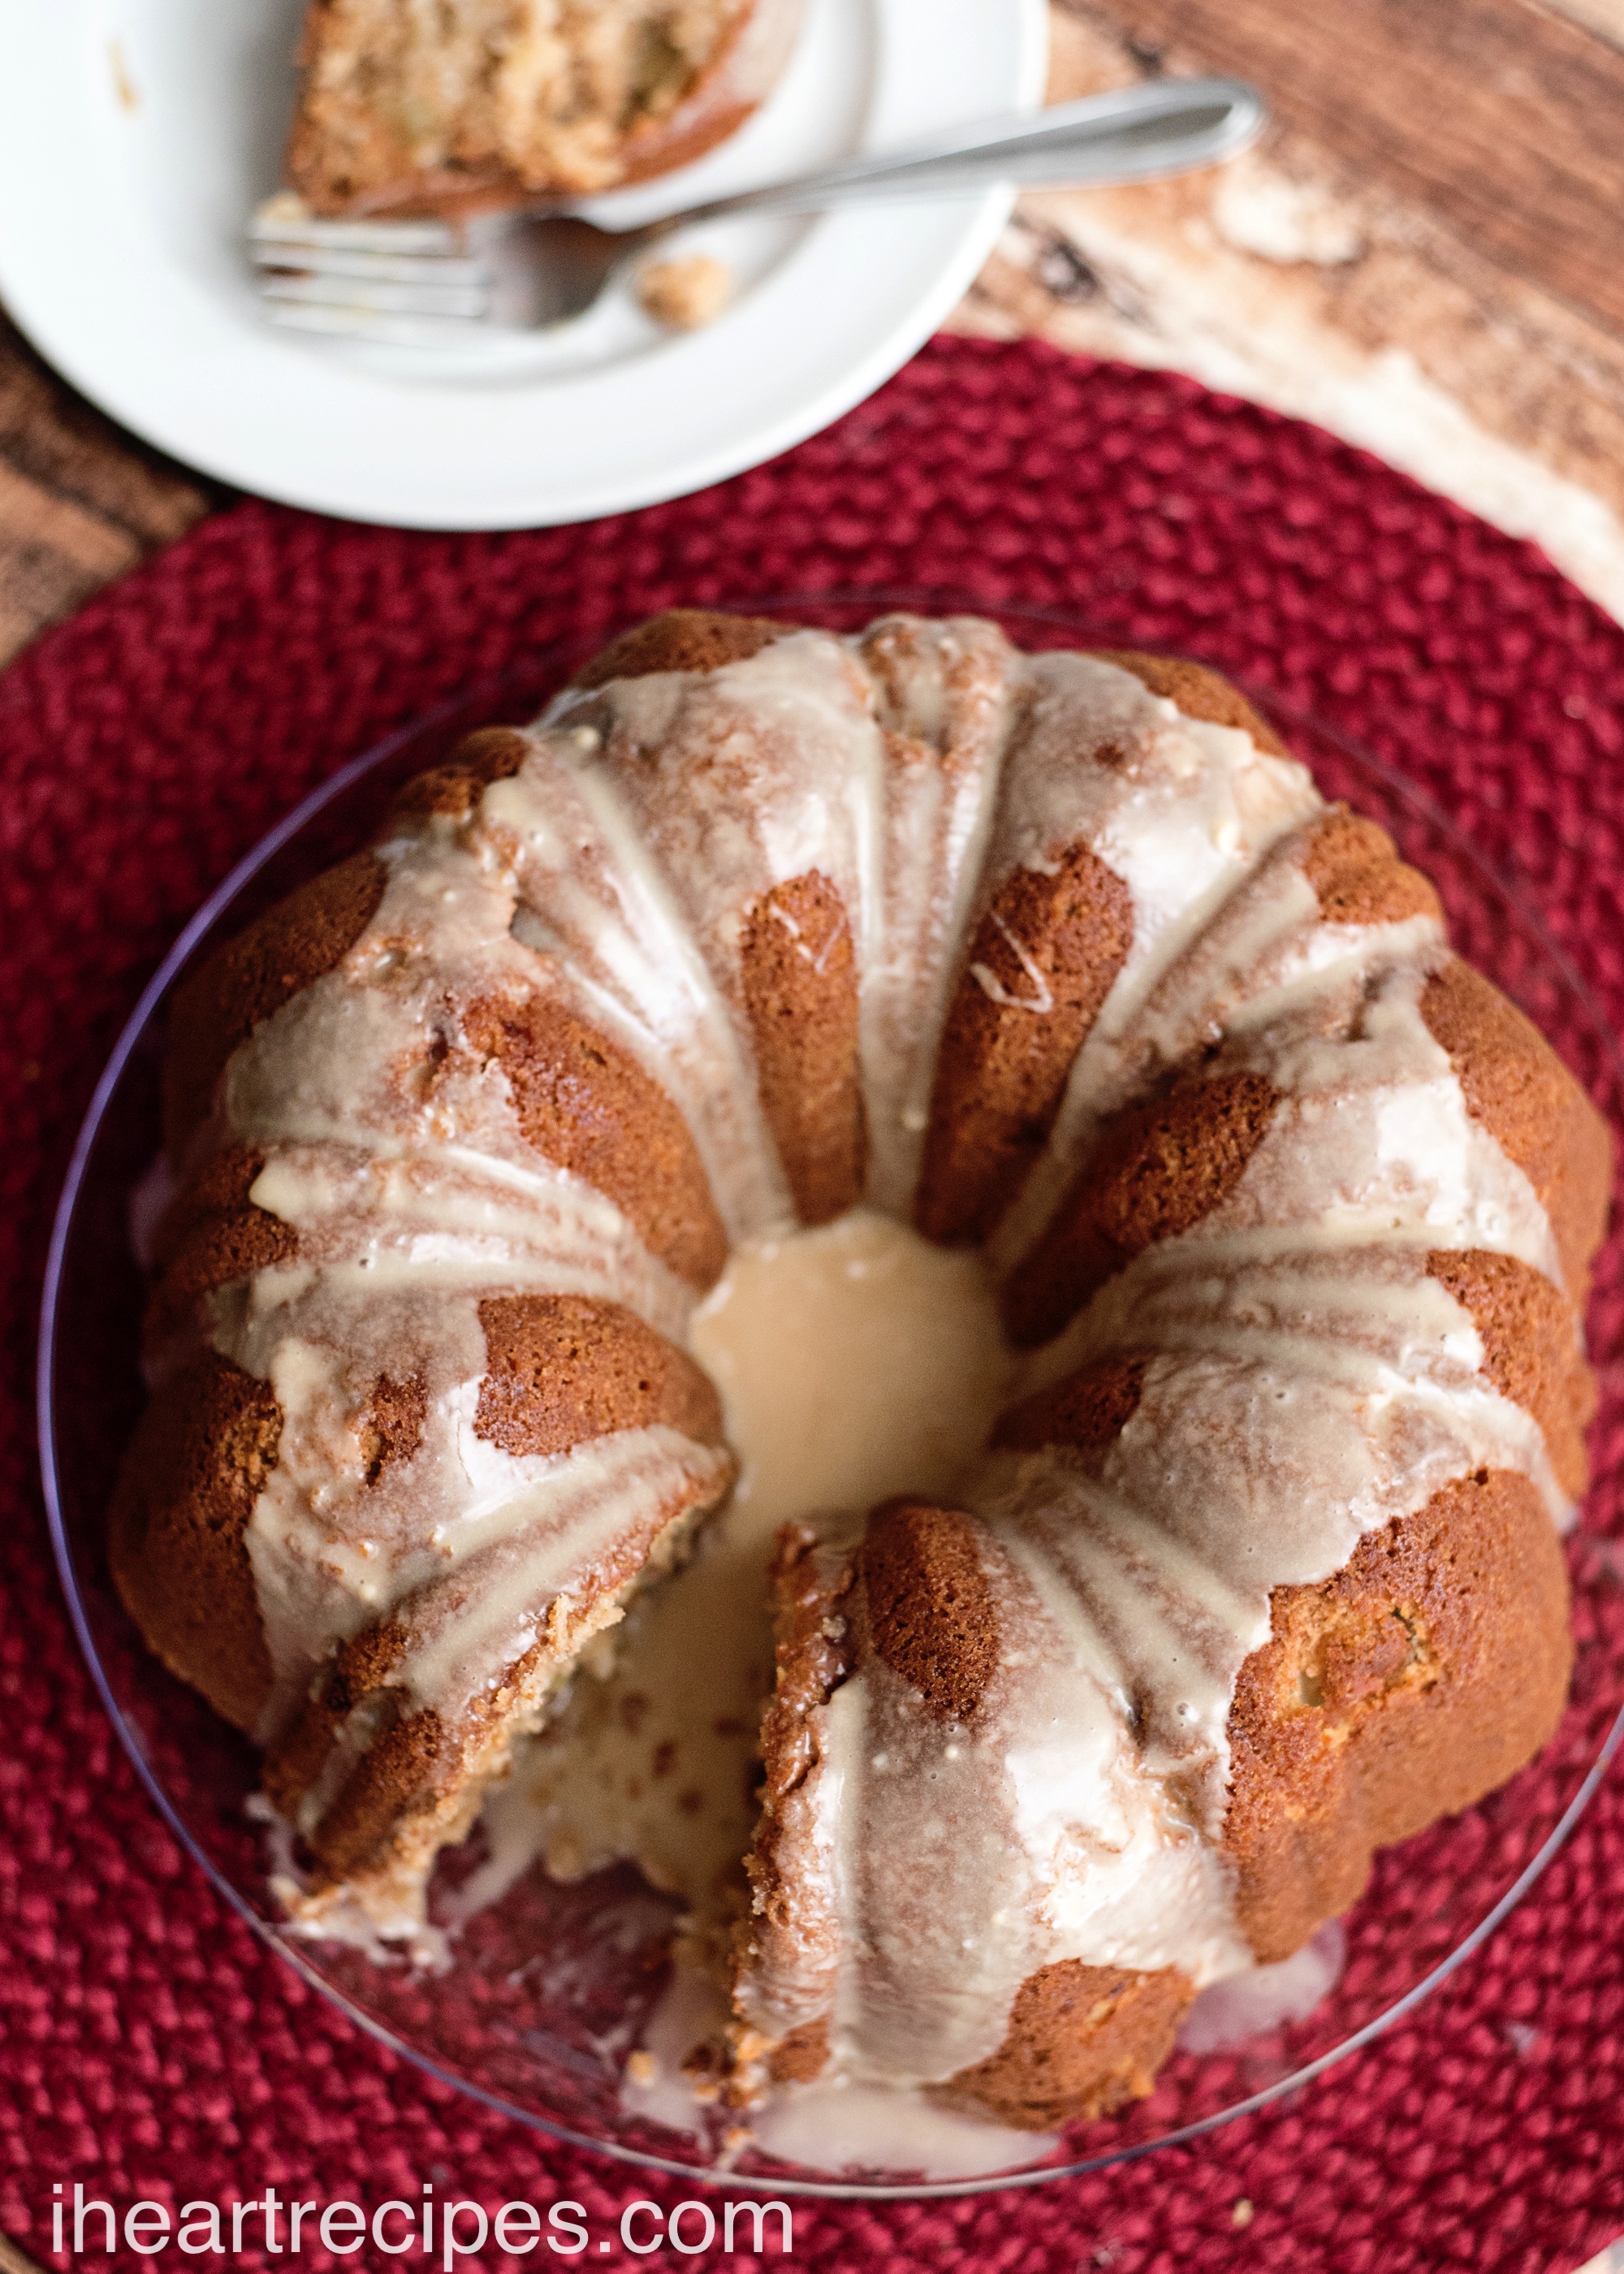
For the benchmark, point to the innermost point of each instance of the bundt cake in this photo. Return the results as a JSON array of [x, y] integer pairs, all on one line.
[[1062, 959], [472, 104]]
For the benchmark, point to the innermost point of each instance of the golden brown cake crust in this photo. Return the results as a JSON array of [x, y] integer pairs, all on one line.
[[801, 2057], [409, 1761], [1088, 1410], [799, 976], [1357, 876], [1427, 1672], [1082, 2040], [212, 1235], [390, 1423], [400, 1766], [1159, 1167], [1530, 1351], [1530, 1354], [205, 1448], [1198, 692], [929, 1607], [1157, 1171], [1420, 1677], [1515, 1084], [412, 1761], [491, 753], [560, 1369], [420, 1779], [682, 639], [1052, 945], [220, 1005], [587, 1105]]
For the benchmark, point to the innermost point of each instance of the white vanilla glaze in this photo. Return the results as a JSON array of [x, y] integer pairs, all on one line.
[[1308, 1380], [1243, 2007], [838, 2125]]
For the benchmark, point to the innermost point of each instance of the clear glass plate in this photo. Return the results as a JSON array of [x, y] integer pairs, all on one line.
[[548, 1990]]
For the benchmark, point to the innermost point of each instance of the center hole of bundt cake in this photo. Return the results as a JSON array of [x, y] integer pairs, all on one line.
[[855, 1361]]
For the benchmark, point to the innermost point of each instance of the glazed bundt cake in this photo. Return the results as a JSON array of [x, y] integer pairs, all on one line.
[[1063, 960], [471, 104]]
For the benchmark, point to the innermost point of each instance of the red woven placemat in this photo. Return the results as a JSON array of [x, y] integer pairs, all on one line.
[[148, 2048]]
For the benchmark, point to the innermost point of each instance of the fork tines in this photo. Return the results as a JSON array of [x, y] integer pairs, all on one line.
[[324, 275]]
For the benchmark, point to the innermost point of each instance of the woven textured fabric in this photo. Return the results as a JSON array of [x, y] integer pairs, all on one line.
[[148, 2047]]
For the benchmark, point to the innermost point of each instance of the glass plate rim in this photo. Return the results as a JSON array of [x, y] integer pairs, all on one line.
[[489, 688]]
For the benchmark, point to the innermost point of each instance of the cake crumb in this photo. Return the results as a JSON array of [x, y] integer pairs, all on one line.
[[685, 294], [642, 2068], [1241, 2216]]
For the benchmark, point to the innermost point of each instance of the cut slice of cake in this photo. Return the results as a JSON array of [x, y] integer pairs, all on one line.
[[421, 106]]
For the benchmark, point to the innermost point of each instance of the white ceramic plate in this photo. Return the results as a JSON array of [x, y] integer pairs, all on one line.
[[136, 136]]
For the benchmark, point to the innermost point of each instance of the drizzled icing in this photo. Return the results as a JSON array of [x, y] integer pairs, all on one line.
[[1307, 1382], [1295, 1403], [400, 1164]]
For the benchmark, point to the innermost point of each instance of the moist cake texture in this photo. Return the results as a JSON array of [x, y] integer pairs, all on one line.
[[468, 105], [1059, 958]]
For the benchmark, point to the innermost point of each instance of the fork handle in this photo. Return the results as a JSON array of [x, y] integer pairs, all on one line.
[[1133, 134]]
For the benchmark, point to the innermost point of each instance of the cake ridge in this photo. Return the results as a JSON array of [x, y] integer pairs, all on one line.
[[667, 997], [965, 738]]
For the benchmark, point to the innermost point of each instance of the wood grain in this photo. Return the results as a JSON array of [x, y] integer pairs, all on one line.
[[1322, 281], [80, 500], [1502, 118]]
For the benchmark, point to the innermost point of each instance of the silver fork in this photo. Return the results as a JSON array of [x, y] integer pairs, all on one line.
[[426, 280]]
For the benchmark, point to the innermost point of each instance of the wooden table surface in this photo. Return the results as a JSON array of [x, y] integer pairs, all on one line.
[[1425, 254]]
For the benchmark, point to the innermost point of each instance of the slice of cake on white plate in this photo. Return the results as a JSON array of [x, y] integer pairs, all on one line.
[[453, 106]]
